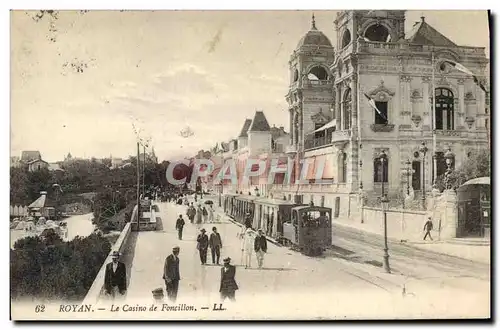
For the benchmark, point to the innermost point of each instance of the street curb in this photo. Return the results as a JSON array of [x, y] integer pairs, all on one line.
[[394, 241]]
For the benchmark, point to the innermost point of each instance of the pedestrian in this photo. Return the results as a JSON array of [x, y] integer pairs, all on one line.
[[202, 246], [248, 247], [195, 198], [179, 225], [191, 213], [260, 247], [199, 215], [427, 228], [228, 284], [215, 243], [205, 214], [248, 220], [171, 274], [210, 213], [115, 277]]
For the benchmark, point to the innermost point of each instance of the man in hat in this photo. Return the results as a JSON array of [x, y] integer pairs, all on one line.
[[202, 246], [215, 243], [191, 213], [248, 220], [427, 228], [179, 225], [228, 284], [260, 246], [115, 277], [171, 274]]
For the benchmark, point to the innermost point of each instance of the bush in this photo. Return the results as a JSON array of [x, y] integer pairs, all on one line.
[[48, 268], [477, 165]]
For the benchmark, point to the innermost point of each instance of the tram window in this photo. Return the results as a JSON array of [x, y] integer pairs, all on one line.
[[294, 218]]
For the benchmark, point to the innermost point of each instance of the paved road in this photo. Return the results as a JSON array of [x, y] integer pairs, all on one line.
[[284, 269], [346, 282], [359, 246]]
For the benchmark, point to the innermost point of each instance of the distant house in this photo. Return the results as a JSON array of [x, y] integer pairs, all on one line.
[[30, 155], [42, 207], [37, 164], [55, 167], [116, 162]]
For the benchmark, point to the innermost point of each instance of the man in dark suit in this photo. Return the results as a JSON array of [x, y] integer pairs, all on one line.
[[215, 243], [260, 247], [228, 284], [202, 246], [171, 274], [179, 225], [115, 277]]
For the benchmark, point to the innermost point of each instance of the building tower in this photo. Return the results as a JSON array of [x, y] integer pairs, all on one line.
[[310, 93]]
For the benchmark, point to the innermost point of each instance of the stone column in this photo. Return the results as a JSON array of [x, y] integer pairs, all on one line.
[[338, 110], [301, 125], [460, 119], [295, 127], [449, 215], [354, 105], [427, 109], [290, 114], [407, 101]]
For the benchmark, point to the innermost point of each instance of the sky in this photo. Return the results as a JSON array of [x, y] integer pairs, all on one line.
[[162, 71]]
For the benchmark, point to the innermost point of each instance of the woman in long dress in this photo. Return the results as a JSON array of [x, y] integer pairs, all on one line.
[[248, 247]]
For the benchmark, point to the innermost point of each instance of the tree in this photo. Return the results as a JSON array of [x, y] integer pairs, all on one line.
[[478, 164], [56, 270]]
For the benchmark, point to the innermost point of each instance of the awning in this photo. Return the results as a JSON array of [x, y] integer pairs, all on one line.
[[328, 168], [328, 125], [482, 180], [311, 170]]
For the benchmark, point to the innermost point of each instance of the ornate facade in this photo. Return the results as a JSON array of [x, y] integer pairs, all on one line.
[[404, 74]]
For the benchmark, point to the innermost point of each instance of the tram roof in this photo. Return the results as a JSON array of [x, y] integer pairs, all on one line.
[[246, 197], [273, 201], [312, 208]]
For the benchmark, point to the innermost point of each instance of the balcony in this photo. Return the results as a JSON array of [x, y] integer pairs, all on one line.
[[339, 137], [290, 149], [394, 47], [317, 142]]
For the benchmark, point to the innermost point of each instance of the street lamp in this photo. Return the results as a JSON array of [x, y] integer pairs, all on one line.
[[449, 157], [408, 173], [385, 206], [220, 194], [423, 150]]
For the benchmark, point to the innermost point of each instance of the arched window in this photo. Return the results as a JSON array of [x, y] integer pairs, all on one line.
[[415, 182], [380, 171], [378, 32], [346, 38], [444, 109], [317, 73], [346, 109]]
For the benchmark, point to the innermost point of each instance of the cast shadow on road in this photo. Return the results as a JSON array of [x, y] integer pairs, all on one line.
[[351, 256]]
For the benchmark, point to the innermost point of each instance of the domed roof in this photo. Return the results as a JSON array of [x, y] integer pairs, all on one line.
[[314, 37]]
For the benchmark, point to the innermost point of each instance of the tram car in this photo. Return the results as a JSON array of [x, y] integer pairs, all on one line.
[[243, 204], [270, 214], [229, 203], [309, 230]]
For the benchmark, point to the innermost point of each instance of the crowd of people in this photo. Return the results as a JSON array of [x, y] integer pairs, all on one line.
[[252, 241]]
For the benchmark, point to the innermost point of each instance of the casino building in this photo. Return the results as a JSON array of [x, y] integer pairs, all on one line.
[[408, 76]]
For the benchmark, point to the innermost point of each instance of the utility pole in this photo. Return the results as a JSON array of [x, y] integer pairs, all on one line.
[[144, 172]]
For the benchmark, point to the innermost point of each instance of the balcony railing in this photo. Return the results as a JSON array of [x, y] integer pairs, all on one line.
[[384, 47], [341, 136], [317, 142]]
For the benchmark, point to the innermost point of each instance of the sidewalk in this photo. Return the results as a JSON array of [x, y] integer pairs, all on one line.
[[456, 248]]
